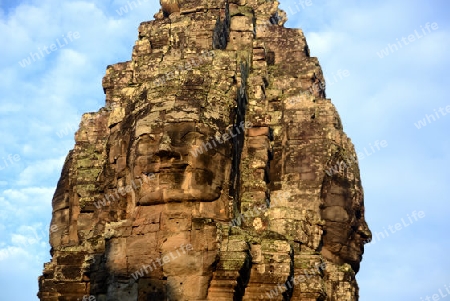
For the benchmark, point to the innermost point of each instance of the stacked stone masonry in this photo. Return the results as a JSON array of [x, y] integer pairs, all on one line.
[[151, 206]]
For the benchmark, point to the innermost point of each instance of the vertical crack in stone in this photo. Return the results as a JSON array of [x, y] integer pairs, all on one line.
[[222, 30], [244, 277], [267, 179], [238, 139], [289, 284]]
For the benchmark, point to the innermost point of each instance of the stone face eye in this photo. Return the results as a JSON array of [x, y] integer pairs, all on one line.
[[147, 144], [183, 138], [190, 137]]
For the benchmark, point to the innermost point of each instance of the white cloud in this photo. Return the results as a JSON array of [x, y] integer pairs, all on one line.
[[10, 107], [22, 206], [28, 236], [39, 171], [8, 252]]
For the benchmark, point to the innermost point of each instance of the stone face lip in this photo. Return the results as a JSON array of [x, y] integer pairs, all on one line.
[[217, 170]]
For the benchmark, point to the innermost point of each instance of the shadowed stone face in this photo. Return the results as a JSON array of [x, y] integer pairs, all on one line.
[[184, 170], [346, 230]]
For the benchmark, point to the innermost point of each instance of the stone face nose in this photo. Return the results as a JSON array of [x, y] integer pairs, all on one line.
[[364, 232], [165, 143], [170, 6]]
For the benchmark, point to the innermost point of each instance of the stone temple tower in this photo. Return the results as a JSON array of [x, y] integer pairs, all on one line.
[[217, 170]]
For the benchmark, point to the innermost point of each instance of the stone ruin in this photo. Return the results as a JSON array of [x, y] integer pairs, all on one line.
[[206, 176]]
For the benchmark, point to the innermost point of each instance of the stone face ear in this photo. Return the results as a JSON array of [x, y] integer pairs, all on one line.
[[170, 6]]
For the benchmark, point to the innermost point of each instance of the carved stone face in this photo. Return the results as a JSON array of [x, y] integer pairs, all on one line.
[[346, 230], [179, 164]]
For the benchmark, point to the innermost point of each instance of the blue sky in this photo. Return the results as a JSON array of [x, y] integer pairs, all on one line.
[[383, 98]]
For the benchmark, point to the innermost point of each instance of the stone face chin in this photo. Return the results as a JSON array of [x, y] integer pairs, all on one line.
[[151, 205]]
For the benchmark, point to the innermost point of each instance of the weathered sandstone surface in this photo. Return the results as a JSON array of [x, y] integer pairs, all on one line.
[[206, 176]]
